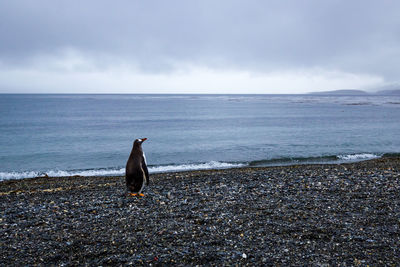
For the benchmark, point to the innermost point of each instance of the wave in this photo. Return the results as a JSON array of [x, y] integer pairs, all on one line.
[[321, 159], [198, 166], [363, 156], [60, 173], [119, 171], [18, 175]]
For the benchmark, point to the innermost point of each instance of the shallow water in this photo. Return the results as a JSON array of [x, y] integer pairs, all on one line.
[[92, 134]]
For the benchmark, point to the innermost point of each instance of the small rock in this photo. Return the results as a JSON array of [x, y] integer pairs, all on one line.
[[169, 195]]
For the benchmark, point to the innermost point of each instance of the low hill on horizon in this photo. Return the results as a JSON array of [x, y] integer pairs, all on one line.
[[394, 92], [340, 92]]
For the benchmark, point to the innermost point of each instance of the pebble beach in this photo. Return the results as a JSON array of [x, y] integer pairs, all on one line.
[[321, 215]]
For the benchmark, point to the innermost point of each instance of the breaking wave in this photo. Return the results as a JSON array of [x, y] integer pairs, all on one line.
[[363, 156], [119, 171], [200, 166], [60, 173]]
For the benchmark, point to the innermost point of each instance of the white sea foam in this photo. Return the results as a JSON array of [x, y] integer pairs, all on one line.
[[363, 156], [61, 173], [96, 172], [199, 166], [119, 171], [17, 175]]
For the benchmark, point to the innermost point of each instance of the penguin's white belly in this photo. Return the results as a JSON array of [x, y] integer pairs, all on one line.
[[144, 156]]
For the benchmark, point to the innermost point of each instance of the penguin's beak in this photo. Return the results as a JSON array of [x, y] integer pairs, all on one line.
[[144, 139]]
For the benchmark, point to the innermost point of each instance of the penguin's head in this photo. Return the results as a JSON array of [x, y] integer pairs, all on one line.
[[139, 141]]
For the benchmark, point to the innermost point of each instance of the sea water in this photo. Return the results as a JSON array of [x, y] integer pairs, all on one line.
[[63, 135]]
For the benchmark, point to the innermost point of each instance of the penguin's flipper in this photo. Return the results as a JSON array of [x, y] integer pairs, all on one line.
[[146, 171]]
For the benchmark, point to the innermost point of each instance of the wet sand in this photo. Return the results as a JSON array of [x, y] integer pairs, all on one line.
[[328, 215]]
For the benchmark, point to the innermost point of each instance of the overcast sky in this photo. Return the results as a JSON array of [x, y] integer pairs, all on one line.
[[216, 46]]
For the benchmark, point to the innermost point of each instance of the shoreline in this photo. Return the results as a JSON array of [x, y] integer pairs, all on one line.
[[210, 165], [304, 214]]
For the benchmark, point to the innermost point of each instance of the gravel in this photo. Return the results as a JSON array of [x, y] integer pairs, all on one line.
[[324, 215]]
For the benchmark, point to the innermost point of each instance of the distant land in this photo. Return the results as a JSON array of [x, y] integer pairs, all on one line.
[[341, 92], [358, 92]]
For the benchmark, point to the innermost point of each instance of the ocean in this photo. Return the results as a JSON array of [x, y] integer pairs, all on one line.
[[66, 135]]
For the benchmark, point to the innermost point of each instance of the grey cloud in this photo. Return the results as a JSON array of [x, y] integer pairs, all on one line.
[[355, 36]]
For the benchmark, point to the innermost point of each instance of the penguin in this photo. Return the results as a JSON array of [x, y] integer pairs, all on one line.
[[136, 172]]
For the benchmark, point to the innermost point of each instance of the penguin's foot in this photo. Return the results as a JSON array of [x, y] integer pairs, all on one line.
[[136, 194]]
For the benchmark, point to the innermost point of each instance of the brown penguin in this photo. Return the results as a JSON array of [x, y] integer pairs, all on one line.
[[136, 169]]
